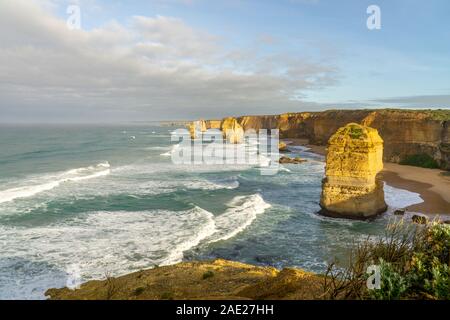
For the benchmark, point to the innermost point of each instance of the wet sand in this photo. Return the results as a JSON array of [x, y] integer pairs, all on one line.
[[433, 185]]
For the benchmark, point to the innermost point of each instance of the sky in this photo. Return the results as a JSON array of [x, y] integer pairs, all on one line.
[[188, 59]]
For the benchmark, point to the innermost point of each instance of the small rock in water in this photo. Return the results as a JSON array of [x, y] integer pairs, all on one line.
[[399, 212], [282, 146], [296, 160], [419, 219]]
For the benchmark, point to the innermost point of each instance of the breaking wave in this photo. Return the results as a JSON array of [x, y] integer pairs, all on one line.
[[53, 181]]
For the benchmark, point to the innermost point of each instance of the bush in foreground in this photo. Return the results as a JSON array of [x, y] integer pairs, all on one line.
[[413, 262]]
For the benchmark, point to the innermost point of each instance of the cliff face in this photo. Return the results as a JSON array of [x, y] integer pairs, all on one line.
[[219, 279], [351, 187], [410, 133], [405, 132]]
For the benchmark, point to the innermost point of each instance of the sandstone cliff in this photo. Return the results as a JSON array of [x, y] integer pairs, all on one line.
[[351, 187], [219, 279], [405, 132]]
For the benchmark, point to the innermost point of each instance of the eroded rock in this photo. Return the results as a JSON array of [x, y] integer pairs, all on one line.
[[351, 187], [232, 130], [282, 146], [196, 128], [287, 160]]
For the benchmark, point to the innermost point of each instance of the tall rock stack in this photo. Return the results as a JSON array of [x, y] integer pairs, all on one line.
[[351, 187], [196, 128], [233, 132]]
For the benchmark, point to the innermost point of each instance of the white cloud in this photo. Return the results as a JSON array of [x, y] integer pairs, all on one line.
[[156, 67]]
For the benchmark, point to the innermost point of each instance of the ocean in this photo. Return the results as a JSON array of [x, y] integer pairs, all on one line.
[[96, 201]]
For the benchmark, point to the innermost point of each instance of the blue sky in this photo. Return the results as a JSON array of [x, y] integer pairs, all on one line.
[[409, 56], [319, 51]]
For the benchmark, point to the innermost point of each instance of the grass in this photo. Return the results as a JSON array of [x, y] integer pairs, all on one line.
[[355, 132], [420, 160], [111, 286], [433, 114], [413, 262], [439, 114]]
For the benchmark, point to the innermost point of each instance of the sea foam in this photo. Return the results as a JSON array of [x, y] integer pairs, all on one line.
[[399, 198], [53, 181], [242, 212]]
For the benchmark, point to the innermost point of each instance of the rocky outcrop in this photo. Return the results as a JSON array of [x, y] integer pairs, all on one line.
[[213, 124], [282, 146], [232, 130], [405, 132], [351, 187], [219, 279], [230, 127], [288, 160], [196, 128]]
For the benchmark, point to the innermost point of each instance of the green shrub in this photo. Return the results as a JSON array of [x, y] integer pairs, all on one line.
[[393, 284], [420, 160], [138, 291], [208, 274], [355, 132], [413, 261], [439, 284]]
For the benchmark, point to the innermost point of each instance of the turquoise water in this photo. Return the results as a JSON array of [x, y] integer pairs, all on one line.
[[87, 202]]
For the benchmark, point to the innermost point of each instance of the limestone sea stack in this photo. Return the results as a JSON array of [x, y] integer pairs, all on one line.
[[424, 134], [232, 130], [196, 128], [351, 187]]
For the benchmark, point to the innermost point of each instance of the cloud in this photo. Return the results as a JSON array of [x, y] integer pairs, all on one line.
[[420, 100], [152, 68]]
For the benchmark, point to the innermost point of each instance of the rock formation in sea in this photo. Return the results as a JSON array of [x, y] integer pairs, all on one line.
[[406, 133], [282, 146], [232, 130], [196, 128], [288, 160], [230, 127], [351, 187]]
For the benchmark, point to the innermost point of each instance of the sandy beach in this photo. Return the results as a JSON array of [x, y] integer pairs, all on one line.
[[433, 185]]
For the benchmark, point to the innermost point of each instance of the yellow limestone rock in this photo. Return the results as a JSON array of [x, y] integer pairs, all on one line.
[[196, 128], [282, 146], [232, 130], [352, 188]]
